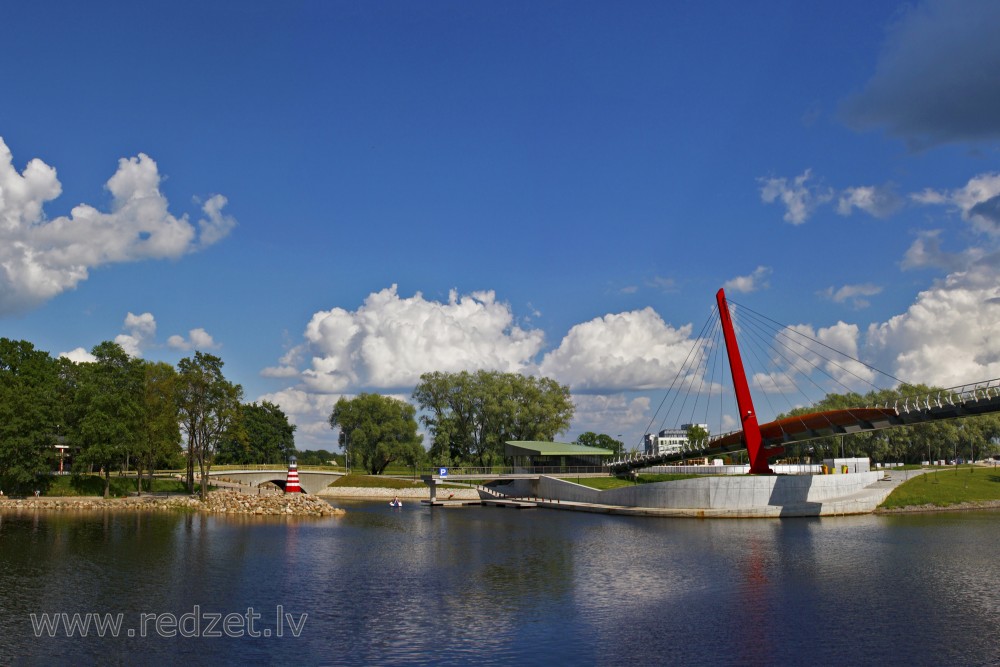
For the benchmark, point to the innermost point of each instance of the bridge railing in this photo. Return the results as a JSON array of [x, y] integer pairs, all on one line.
[[951, 397], [273, 466], [500, 471], [689, 450]]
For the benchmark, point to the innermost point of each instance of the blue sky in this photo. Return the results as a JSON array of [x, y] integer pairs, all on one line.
[[335, 197]]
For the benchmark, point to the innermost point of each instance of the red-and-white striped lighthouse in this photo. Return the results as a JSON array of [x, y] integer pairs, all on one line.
[[292, 481]]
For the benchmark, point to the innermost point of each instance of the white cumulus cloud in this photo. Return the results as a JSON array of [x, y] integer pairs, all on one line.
[[978, 202], [140, 330], [390, 341], [799, 197], [79, 355], [949, 336], [751, 283], [41, 258], [840, 366], [632, 350], [926, 251], [856, 294], [876, 201], [198, 339], [309, 412], [616, 415]]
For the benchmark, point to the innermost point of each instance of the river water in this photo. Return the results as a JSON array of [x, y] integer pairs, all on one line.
[[415, 585]]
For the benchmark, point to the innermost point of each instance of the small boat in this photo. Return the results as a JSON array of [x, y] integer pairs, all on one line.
[[395, 503]]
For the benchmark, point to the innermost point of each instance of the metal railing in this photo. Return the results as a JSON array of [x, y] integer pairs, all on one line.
[[500, 471], [252, 467], [951, 397]]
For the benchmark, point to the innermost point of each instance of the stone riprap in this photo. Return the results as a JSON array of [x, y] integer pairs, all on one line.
[[217, 502]]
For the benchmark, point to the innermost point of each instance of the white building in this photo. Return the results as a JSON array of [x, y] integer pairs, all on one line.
[[669, 440]]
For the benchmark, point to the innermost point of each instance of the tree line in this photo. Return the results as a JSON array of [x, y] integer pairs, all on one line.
[[467, 416], [968, 438], [120, 412]]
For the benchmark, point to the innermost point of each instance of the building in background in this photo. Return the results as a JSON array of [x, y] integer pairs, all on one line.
[[669, 440]]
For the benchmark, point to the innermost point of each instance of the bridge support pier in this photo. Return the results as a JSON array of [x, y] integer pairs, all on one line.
[[431, 481]]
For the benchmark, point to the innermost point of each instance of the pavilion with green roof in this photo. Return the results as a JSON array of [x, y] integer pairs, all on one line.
[[535, 453]]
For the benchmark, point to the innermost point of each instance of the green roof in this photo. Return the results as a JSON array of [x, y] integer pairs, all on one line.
[[535, 447]]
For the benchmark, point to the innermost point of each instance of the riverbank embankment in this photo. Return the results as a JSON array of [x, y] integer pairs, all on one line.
[[927, 508], [217, 502]]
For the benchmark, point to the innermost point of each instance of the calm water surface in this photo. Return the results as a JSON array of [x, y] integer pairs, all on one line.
[[385, 586]]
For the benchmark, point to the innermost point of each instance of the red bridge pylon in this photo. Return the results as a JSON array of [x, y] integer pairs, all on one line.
[[748, 417]]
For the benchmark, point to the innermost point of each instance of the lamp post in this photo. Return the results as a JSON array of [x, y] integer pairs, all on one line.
[[346, 444]]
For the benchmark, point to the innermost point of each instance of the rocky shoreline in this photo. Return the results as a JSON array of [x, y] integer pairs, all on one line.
[[298, 505], [217, 502]]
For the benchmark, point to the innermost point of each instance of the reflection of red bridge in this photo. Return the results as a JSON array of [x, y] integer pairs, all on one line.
[[766, 441]]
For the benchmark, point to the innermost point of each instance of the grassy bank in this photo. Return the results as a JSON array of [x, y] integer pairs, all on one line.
[[954, 486], [605, 483], [377, 482], [93, 485], [944, 488]]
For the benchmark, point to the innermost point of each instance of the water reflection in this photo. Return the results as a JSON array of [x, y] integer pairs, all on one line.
[[487, 585]]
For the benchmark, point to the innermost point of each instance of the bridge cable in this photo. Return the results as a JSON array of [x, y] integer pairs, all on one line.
[[673, 384], [816, 366], [821, 343]]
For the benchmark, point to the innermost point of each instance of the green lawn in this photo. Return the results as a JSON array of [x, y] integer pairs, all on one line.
[[93, 485], [947, 487], [377, 482], [605, 483]]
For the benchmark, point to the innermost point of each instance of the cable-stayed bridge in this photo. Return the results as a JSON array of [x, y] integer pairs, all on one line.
[[767, 441], [966, 401]]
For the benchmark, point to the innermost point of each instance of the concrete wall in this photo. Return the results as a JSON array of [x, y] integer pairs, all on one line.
[[795, 492], [311, 482], [853, 465]]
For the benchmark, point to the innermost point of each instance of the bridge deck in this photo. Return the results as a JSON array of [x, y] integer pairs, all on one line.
[[971, 400]]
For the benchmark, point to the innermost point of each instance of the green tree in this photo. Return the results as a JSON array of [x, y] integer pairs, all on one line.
[[911, 444], [471, 415], [318, 457], [265, 436], [696, 433], [601, 440], [32, 400], [159, 439], [378, 430], [109, 410], [209, 408]]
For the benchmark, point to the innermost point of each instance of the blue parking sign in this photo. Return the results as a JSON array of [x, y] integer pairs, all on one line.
[[442, 472]]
